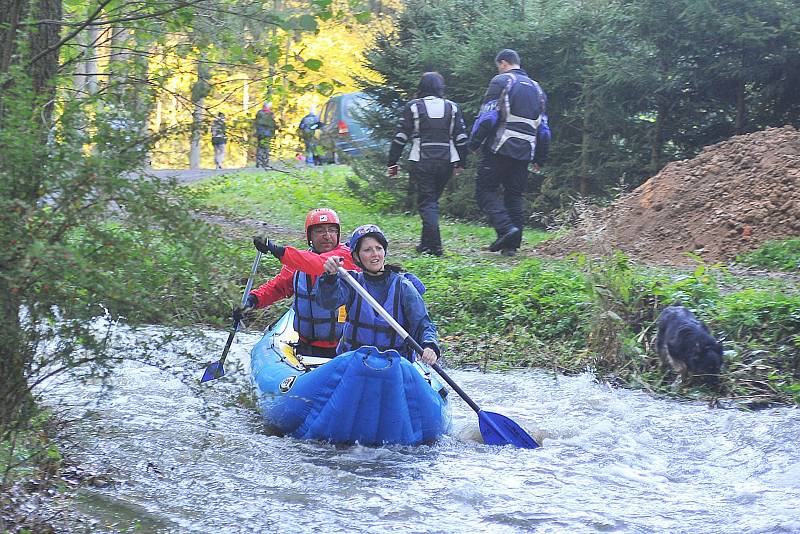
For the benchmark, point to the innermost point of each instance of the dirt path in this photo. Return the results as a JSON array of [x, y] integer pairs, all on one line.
[[188, 176], [230, 225], [234, 227]]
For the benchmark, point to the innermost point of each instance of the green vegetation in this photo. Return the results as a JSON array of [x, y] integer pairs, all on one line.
[[31, 451], [568, 315], [631, 85], [776, 255], [164, 280], [284, 198], [29, 455], [83, 238]]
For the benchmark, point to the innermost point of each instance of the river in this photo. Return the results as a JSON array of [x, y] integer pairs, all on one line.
[[190, 458]]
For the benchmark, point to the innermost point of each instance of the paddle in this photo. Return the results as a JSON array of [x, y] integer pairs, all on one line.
[[496, 429], [215, 369]]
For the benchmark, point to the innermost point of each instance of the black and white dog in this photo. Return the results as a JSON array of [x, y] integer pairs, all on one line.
[[686, 344]]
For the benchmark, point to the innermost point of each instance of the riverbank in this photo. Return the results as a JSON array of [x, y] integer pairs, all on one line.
[[532, 310]]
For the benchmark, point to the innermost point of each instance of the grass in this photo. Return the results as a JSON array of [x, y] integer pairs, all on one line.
[[286, 197], [783, 255], [29, 452], [569, 315]]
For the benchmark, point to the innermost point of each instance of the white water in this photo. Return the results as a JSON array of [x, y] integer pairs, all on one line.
[[187, 458]]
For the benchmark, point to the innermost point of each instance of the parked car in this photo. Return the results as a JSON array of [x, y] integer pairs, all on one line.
[[342, 133]]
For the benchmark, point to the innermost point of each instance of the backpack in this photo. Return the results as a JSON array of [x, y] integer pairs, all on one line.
[[309, 122], [519, 135]]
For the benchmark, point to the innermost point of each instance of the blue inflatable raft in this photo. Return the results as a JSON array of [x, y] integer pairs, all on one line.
[[363, 396]]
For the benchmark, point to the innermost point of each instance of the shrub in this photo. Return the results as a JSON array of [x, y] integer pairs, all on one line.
[[781, 255]]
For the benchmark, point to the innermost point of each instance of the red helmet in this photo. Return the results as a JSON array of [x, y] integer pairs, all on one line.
[[321, 216]]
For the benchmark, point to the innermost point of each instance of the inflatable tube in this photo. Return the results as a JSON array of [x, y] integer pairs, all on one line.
[[363, 396]]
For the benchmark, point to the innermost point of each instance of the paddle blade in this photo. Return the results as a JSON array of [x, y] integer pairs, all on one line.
[[213, 371], [498, 429]]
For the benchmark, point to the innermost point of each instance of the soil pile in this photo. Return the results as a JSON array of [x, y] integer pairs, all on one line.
[[730, 199]]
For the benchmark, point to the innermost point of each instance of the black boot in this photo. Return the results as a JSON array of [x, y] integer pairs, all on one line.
[[505, 240]]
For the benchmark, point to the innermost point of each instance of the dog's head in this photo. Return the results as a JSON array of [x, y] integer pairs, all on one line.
[[706, 361]]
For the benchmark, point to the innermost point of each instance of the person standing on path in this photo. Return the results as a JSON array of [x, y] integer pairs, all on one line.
[[505, 132], [308, 126], [265, 130], [438, 137], [218, 139]]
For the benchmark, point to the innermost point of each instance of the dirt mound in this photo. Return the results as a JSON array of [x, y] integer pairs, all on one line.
[[731, 198]]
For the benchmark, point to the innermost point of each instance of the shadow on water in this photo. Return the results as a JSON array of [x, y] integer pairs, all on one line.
[[113, 514]]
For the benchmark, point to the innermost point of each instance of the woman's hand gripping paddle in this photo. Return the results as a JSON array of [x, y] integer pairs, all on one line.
[[215, 369], [496, 429]]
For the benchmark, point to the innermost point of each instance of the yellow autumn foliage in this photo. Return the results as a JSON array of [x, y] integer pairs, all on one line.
[[290, 87]]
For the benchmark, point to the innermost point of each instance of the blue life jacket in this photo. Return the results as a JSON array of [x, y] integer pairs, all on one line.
[[365, 327], [416, 282], [311, 321]]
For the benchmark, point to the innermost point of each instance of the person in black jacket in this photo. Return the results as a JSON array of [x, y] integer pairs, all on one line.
[[435, 127], [219, 138], [506, 134]]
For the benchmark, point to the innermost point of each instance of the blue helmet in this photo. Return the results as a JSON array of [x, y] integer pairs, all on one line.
[[365, 230]]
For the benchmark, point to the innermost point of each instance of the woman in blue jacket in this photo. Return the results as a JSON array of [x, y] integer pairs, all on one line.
[[395, 292]]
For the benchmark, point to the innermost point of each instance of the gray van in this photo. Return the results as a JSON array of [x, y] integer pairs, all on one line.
[[342, 133]]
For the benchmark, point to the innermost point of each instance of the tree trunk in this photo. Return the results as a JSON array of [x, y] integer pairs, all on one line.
[[199, 93], [15, 399], [140, 96], [79, 74], [583, 173], [740, 109], [41, 58], [11, 12], [657, 139], [44, 53], [197, 124], [586, 139], [120, 63], [90, 64]]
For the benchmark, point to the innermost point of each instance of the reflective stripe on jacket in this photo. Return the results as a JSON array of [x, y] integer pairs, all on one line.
[[432, 137], [436, 130], [510, 116], [519, 107]]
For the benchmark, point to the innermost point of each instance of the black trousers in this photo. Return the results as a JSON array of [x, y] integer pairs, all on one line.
[[504, 210], [431, 177], [262, 152]]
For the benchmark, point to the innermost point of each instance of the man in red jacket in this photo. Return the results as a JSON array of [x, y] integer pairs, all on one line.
[[319, 329]]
